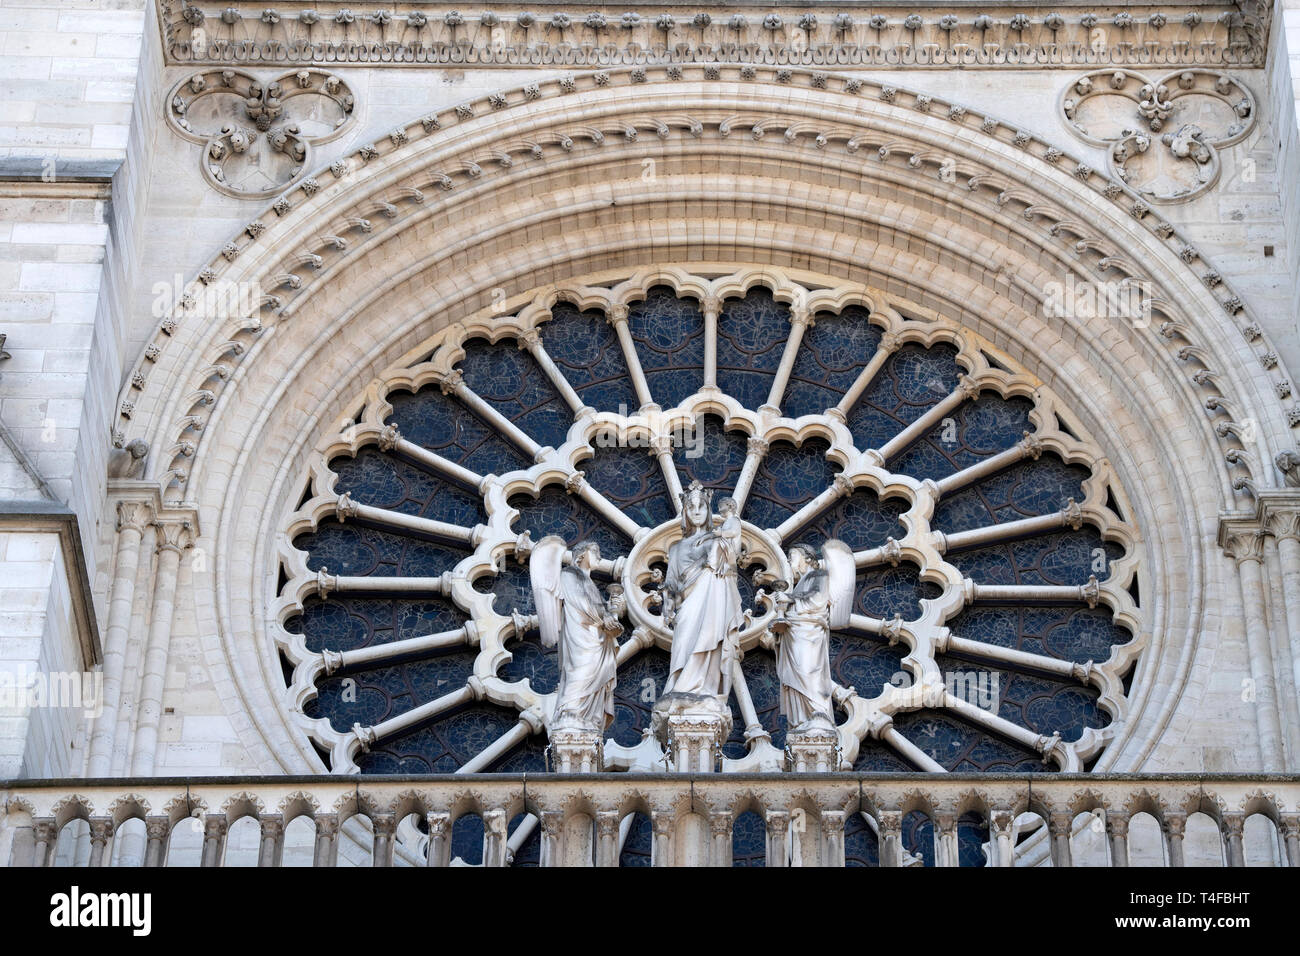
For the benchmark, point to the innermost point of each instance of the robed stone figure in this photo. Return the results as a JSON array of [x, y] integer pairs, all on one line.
[[819, 600], [573, 616], [701, 600]]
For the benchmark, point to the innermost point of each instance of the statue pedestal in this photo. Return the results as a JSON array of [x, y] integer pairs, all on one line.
[[813, 750], [692, 730], [576, 750]]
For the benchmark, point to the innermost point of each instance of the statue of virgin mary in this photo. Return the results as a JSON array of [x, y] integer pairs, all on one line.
[[701, 601]]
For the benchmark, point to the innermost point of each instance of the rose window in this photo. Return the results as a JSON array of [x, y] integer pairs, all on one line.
[[996, 618]]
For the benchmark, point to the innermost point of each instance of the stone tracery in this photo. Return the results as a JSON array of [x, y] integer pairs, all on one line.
[[524, 461]]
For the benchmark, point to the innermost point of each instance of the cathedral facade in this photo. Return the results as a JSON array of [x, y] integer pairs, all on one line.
[[748, 434]]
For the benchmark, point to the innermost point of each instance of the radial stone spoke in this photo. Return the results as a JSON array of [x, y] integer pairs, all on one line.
[[369, 736], [532, 342], [1088, 593], [499, 747], [577, 484], [1008, 655], [799, 322], [390, 439], [889, 343], [336, 661], [753, 726], [967, 389], [756, 448], [618, 318], [1071, 515], [841, 487], [909, 750], [346, 508], [453, 384], [327, 583], [1000, 725], [1027, 447]]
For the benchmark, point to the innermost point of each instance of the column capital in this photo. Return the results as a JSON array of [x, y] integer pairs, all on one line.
[[1117, 823], [1234, 824], [157, 828], [134, 515], [1242, 541], [1176, 824], [174, 535], [607, 823], [616, 314], [1060, 822]]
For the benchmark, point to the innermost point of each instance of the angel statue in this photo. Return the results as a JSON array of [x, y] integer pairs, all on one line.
[[573, 615], [819, 600], [701, 599]]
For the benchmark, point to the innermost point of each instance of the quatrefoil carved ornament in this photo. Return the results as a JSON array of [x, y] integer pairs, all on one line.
[[257, 134], [1163, 136]]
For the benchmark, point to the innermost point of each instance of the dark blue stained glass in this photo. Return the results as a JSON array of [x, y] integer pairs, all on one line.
[[640, 840], [510, 380], [972, 840], [669, 337], [749, 840], [752, 333], [540, 666], [1069, 632], [956, 745], [385, 481], [876, 757], [788, 477], [357, 549], [1064, 558], [975, 430], [1025, 490], [866, 664], [640, 682], [529, 756], [510, 588], [918, 836], [833, 351], [633, 480], [443, 425], [554, 511], [587, 351], [759, 668], [913, 380], [861, 847], [467, 839], [346, 623], [530, 851], [443, 745], [711, 455], [861, 521], [387, 691], [893, 592]]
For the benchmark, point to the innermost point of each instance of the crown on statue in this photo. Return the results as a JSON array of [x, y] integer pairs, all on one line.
[[697, 493]]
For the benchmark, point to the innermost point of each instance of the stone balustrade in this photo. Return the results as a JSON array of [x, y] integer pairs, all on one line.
[[583, 819]]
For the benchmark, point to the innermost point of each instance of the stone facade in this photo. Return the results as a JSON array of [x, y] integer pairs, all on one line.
[[464, 165]]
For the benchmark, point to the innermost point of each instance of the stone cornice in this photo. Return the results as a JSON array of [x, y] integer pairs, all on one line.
[[547, 34], [1276, 514]]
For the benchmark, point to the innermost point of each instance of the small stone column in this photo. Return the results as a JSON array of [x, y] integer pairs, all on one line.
[[778, 830], [494, 838], [890, 838], [271, 852], [156, 830], [439, 827], [661, 822], [101, 831], [833, 838], [327, 831], [1117, 833], [214, 840], [607, 838], [576, 750], [1175, 827], [947, 855], [1060, 825], [1246, 547], [1233, 825], [551, 822], [1290, 830], [812, 751], [385, 825], [46, 835], [1001, 826], [720, 825], [691, 730]]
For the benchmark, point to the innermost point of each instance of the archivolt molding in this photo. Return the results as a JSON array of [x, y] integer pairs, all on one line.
[[999, 35], [285, 270], [489, 628], [421, 210]]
